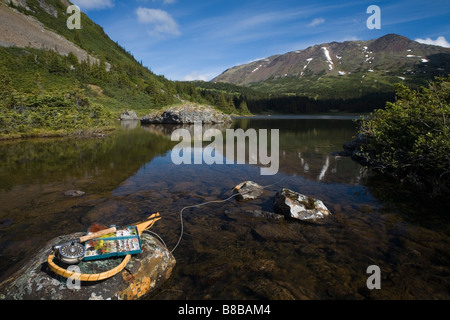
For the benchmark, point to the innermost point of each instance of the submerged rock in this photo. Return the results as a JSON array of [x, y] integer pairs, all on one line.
[[74, 193], [248, 190], [352, 148], [145, 273], [265, 214], [294, 205], [6, 223], [187, 113]]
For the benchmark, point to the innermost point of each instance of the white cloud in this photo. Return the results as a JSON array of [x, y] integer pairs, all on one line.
[[163, 1], [440, 41], [162, 23], [349, 38], [94, 4], [316, 22], [194, 75]]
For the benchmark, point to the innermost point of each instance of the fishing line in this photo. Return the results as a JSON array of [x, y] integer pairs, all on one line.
[[206, 203], [214, 201], [157, 235], [285, 178], [196, 206]]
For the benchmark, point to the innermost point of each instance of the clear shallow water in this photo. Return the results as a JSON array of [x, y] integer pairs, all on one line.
[[225, 252]]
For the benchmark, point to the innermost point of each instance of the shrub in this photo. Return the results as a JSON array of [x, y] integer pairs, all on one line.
[[410, 138], [58, 113]]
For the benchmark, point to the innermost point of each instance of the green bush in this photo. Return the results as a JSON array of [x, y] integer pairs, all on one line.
[[54, 114], [410, 138]]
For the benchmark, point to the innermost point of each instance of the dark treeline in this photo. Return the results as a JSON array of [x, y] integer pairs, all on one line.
[[302, 105], [243, 99]]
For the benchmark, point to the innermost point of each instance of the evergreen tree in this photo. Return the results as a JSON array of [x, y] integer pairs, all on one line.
[[6, 91]]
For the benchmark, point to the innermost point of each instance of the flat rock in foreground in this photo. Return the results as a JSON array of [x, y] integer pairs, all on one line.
[[189, 113], [144, 273]]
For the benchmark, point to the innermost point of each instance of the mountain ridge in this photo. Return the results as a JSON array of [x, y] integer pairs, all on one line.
[[391, 58]]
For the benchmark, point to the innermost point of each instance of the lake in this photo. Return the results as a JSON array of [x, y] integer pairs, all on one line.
[[226, 251]]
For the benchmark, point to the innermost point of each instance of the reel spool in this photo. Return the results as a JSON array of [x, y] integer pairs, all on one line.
[[70, 252], [73, 252]]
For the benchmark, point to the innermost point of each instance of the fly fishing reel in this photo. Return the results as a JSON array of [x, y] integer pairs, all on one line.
[[73, 252], [70, 253]]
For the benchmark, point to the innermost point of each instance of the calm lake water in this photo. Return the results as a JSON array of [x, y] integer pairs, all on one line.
[[225, 251]]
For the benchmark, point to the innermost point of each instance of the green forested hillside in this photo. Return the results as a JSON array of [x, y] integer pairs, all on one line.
[[115, 79], [41, 83]]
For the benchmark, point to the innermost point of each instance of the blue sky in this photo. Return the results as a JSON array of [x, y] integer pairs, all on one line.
[[191, 40]]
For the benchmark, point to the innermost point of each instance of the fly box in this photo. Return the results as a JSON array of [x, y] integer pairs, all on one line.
[[119, 243]]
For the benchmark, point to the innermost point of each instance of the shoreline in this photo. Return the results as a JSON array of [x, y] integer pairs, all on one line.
[[90, 133], [329, 116], [93, 133]]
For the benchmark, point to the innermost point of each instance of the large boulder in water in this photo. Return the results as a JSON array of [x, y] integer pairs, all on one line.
[[187, 114], [294, 205], [144, 273]]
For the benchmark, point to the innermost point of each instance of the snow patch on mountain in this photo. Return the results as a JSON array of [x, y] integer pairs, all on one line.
[[308, 61], [257, 68], [327, 55]]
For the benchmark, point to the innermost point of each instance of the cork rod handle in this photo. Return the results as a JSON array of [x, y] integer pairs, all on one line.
[[97, 234]]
